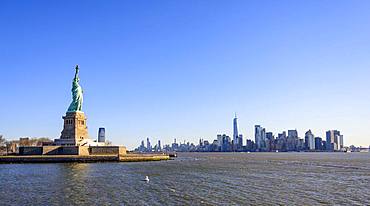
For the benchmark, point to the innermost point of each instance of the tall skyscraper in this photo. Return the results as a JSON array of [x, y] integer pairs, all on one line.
[[226, 143], [270, 139], [334, 140], [281, 141], [318, 143], [142, 147], [340, 142], [200, 142], [309, 140], [330, 140], [219, 140], [142, 144], [323, 145], [260, 137], [240, 141], [300, 145], [235, 134], [175, 146], [159, 146], [148, 146], [101, 135], [292, 140]]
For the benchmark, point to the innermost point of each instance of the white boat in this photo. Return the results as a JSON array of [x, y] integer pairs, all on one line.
[[146, 179]]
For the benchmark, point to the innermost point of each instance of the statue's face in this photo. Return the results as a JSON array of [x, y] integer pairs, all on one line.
[[76, 83]]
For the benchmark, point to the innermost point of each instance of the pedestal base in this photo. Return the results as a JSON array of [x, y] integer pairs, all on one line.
[[74, 131]]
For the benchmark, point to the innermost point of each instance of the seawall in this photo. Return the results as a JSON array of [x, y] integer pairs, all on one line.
[[81, 158], [142, 157]]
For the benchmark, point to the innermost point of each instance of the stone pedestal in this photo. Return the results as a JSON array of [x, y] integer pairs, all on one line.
[[74, 131]]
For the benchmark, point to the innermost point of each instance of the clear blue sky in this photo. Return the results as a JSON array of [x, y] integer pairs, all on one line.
[[165, 69]]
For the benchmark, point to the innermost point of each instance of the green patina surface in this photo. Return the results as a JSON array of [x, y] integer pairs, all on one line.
[[77, 94]]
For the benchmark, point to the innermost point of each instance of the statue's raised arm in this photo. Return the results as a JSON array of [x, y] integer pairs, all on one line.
[[77, 70]]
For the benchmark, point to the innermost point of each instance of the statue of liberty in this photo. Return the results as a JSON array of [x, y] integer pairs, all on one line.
[[77, 97]]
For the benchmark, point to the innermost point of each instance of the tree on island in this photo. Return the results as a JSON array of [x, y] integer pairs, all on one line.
[[33, 141], [3, 145], [2, 140]]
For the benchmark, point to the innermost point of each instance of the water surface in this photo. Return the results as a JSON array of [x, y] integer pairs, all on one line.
[[195, 179]]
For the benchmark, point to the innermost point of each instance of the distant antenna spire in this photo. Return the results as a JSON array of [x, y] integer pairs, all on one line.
[[235, 114]]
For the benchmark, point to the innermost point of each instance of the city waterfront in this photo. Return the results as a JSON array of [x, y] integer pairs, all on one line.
[[195, 179]]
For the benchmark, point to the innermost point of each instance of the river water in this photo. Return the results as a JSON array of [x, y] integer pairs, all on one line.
[[195, 179]]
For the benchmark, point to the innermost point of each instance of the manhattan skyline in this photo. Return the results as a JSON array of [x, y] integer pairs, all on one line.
[[181, 70]]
